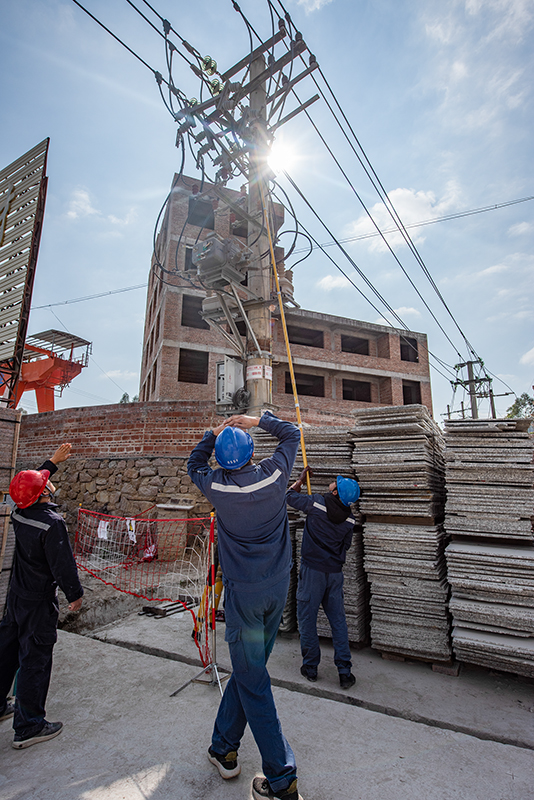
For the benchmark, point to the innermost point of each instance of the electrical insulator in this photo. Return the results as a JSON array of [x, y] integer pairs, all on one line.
[[215, 87], [209, 65]]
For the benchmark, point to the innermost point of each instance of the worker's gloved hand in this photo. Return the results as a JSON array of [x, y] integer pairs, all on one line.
[[297, 486], [305, 471]]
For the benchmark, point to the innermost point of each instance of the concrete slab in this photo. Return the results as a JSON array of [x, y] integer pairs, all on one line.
[[125, 739]]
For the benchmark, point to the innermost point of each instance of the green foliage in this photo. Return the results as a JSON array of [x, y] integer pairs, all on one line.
[[523, 407]]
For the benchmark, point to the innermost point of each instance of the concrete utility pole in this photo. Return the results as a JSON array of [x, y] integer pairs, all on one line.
[[259, 368], [476, 387]]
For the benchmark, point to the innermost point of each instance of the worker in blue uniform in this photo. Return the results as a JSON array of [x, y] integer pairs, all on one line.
[[43, 561], [255, 557], [326, 538]]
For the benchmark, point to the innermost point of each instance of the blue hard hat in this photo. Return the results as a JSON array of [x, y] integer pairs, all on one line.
[[348, 490], [233, 448]]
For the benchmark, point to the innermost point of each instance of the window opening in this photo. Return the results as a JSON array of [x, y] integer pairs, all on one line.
[[355, 344], [357, 391], [201, 213], [411, 393], [191, 308], [306, 336], [408, 349], [193, 367], [310, 385]]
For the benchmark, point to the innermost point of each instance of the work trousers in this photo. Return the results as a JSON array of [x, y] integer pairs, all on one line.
[[252, 621], [315, 589], [28, 633]]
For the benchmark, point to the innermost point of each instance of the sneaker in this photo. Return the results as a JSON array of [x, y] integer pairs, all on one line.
[[48, 731], [346, 681], [261, 790], [227, 765], [8, 712], [309, 672]]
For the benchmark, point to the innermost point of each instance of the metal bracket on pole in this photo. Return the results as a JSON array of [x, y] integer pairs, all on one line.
[[246, 321]]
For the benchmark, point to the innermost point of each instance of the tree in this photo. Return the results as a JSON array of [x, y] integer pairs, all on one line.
[[523, 407]]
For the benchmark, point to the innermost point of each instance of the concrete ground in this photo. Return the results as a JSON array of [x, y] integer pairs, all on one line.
[[402, 731]]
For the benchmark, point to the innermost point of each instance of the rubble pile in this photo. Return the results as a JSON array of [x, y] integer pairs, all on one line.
[[489, 509], [398, 459]]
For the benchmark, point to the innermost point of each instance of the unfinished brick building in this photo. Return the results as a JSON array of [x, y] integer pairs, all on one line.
[[340, 363]]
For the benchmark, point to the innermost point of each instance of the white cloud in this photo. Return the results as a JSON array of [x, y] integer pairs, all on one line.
[[494, 270], [313, 5], [330, 282], [521, 228], [405, 311], [80, 205], [477, 68], [412, 207], [121, 374], [528, 358]]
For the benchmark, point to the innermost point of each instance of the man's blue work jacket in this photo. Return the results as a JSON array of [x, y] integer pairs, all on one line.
[[43, 555], [324, 543], [252, 524]]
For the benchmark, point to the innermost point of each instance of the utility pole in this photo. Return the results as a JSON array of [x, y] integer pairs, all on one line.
[[241, 136], [259, 367], [479, 387]]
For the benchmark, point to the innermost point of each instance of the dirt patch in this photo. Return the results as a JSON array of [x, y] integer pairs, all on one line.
[[101, 605]]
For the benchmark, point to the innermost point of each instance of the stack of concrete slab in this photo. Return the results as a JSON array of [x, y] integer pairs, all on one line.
[[398, 458], [356, 591], [328, 450], [490, 474], [491, 559]]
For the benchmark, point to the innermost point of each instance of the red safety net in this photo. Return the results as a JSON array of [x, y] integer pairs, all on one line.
[[155, 559]]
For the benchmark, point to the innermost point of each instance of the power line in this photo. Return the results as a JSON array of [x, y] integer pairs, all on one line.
[[116, 37], [432, 221], [381, 313], [375, 181], [90, 297], [92, 357]]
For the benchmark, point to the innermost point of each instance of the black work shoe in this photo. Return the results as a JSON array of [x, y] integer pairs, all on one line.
[[346, 681], [48, 731], [8, 711], [309, 673], [227, 765], [261, 790]]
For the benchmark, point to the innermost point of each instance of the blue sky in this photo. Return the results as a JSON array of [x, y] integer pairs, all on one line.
[[439, 94]]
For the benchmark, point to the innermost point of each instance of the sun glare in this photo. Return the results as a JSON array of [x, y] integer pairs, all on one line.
[[283, 156]]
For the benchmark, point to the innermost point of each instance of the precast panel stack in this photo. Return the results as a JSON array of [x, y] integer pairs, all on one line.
[[490, 502], [398, 459]]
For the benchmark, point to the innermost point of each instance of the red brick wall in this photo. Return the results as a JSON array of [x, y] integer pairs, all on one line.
[[165, 428]]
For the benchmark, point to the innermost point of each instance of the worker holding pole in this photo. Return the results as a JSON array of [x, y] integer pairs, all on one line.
[[327, 537], [255, 556]]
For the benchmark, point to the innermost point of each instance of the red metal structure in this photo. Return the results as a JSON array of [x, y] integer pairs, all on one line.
[[49, 364]]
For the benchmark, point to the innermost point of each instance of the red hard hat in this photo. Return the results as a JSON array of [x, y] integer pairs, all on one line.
[[27, 486]]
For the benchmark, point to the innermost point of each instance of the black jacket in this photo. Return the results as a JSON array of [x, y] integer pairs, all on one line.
[[43, 555], [328, 530]]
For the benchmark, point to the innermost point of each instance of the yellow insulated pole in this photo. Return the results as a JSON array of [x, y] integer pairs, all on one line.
[[286, 339]]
